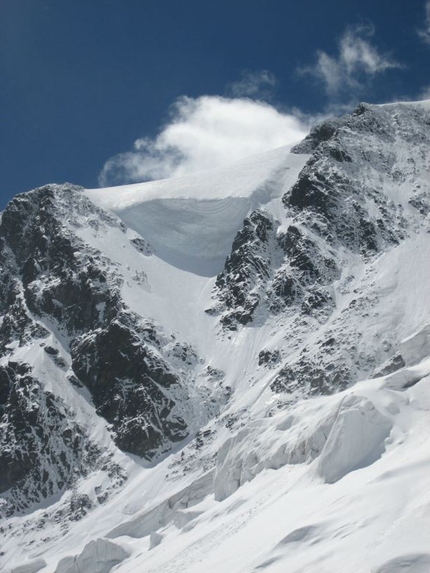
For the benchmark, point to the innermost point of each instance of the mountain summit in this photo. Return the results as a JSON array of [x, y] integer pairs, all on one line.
[[224, 371]]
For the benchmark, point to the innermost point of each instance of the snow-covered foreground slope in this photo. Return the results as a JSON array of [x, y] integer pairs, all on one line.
[[182, 364], [335, 484], [372, 443]]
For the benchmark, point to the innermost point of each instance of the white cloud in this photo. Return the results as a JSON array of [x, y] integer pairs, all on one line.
[[357, 61], [256, 85], [203, 133], [424, 33]]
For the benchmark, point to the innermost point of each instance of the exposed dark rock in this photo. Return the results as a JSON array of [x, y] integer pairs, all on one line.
[[333, 186], [337, 210], [311, 378], [287, 290], [50, 277], [421, 202], [392, 365], [126, 380], [141, 246], [318, 134], [51, 351], [248, 263], [274, 269], [269, 358], [43, 450]]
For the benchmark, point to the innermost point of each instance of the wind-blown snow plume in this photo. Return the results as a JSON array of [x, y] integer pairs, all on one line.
[[205, 132]]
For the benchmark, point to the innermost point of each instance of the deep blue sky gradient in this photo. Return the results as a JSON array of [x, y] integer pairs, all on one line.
[[80, 80]]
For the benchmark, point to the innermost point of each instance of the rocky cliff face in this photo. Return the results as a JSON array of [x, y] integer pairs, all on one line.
[[360, 194], [61, 295]]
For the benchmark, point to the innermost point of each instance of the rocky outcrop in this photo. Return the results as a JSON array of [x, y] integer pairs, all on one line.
[[43, 447], [126, 379], [55, 285], [341, 208], [246, 270]]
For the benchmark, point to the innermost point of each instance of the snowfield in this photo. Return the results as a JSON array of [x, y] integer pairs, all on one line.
[[266, 481], [200, 214], [335, 484]]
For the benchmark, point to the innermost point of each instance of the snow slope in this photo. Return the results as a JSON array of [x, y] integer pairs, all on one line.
[[266, 480], [335, 484], [201, 213]]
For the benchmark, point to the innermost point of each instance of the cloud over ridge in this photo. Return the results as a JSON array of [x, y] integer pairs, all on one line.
[[203, 133]]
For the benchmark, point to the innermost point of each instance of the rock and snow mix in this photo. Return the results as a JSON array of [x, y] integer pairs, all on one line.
[[225, 371]]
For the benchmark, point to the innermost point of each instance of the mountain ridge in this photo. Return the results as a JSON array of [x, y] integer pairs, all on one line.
[[124, 367]]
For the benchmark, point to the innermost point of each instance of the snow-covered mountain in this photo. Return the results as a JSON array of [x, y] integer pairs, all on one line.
[[224, 371]]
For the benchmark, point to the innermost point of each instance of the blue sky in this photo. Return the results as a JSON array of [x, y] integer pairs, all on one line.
[[82, 81]]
